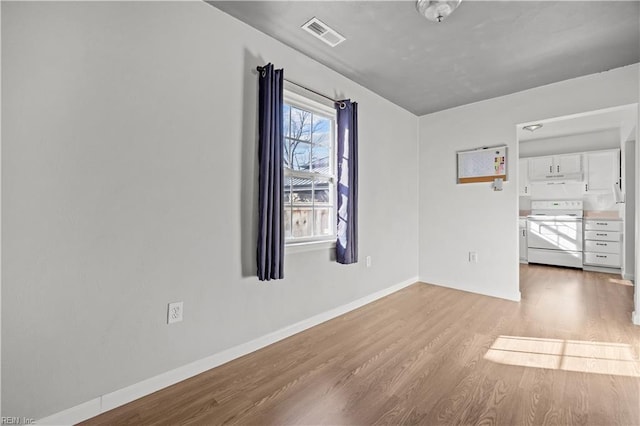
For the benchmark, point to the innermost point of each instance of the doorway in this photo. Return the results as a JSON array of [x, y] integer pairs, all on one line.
[[588, 159]]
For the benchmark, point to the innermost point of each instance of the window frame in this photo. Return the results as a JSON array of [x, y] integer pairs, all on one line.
[[327, 111]]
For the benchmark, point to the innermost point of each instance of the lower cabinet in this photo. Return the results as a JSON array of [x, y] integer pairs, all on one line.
[[607, 260], [522, 238], [603, 243]]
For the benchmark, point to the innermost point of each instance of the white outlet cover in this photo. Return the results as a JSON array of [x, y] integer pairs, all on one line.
[[174, 312]]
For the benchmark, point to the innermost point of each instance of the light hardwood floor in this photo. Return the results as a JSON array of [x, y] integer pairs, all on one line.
[[566, 354]]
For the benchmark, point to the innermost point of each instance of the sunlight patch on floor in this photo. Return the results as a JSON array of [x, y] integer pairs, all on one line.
[[621, 282], [569, 355]]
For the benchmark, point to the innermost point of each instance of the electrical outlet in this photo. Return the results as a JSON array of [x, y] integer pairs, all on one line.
[[368, 261], [174, 312], [473, 256]]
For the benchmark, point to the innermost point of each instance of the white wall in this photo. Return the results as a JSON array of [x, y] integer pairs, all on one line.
[[1, 274], [592, 141], [636, 292], [629, 181], [129, 182], [456, 219]]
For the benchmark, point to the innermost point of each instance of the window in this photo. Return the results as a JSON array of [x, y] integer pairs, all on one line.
[[309, 170]]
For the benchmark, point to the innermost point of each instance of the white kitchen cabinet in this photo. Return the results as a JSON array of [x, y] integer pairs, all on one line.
[[540, 168], [602, 171], [569, 164], [603, 225], [602, 243], [524, 187], [566, 166], [591, 246], [522, 238], [605, 260], [602, 235]]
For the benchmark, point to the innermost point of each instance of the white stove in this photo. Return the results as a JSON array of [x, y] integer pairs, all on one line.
[[555, 233], [556, 208]]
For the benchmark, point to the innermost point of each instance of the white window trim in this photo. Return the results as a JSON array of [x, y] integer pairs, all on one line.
[[299, 245], [304, 102], [303, 247]]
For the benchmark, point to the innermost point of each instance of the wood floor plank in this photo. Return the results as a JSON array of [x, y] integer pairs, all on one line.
[[566, 354]]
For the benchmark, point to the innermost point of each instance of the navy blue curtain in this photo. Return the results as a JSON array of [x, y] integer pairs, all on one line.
[[347, 123], [270, 253]]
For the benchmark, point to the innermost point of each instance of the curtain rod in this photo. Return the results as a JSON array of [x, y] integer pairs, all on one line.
[[342, 104]]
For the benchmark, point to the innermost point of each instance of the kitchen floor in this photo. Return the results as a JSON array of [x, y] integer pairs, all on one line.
[[572, 299]]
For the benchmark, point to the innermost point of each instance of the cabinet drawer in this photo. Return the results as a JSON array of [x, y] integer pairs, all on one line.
[[602, 235], [603, 225], [602, 259], [602, 246]]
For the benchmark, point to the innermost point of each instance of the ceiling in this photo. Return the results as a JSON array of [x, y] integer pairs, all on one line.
[[618, 119], [483, 50]]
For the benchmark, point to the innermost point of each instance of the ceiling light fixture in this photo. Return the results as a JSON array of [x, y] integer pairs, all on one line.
[[532, 127], [436, 10]]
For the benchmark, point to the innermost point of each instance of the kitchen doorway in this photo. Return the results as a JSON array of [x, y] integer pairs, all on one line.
[[578, 198]]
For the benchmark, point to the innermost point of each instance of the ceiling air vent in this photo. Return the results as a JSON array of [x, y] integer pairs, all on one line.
[[319, 29]]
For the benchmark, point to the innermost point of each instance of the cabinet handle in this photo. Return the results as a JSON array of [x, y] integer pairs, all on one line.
[[600, 223], [586, 187], [598, 255], [601, 244], [558, 169], [602, 235], [550, 169], [525, 189]]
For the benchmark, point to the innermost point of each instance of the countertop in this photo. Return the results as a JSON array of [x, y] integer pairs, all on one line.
[[595, 214]]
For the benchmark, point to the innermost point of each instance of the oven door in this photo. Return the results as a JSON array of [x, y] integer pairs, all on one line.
[[555, 233]]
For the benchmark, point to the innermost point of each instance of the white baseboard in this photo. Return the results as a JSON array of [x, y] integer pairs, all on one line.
[[73, 415], [123, 396], [514, 296], [604, 269], [635, 317], [629, 277]]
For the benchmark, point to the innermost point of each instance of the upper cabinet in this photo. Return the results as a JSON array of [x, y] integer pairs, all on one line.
[[524, 188], [567, 166], [540, 167], [602, 171], [598, 171]]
